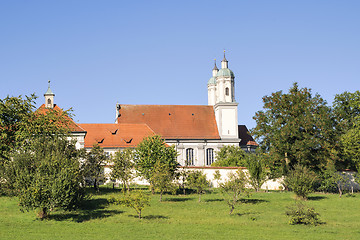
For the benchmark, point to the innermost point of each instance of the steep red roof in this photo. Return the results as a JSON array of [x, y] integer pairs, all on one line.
[[72, 125], [246, 138], [173, 121], [115, 135]]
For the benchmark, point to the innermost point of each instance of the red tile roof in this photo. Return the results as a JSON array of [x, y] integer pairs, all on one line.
[[72, 125], [173, 121], [115, 135]]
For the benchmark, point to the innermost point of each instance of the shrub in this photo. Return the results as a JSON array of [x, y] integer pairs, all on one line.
[[301, 181], [136, 200], [301, 214], [197, 180]]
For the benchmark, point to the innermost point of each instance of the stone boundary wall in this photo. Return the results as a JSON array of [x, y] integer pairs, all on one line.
[[209, 172]]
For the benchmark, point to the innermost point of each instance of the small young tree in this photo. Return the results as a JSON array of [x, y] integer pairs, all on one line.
[[234, 188], [48, 176], [136, 200], [150, 151], [217, 177], [162, 179], [257, 171], [301, 181], [197, 180], [123, 166], [182, 175], [332, 179], [93, 166]]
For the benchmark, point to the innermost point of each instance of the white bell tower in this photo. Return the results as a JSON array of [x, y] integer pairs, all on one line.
[[225, 106], [49, 97]]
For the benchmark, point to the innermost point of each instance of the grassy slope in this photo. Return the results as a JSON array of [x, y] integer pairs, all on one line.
[[182, 217]]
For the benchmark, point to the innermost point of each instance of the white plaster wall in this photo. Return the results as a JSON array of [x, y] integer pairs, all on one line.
[[209, 172], [228, 122]]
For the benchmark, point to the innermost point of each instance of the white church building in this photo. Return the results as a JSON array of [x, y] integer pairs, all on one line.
[[196, 131]]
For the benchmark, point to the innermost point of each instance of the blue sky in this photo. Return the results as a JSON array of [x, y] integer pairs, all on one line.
[[98, 53]]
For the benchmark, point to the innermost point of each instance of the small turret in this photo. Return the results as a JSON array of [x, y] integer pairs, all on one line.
[[224, 62], [49, 97], [215, 69]]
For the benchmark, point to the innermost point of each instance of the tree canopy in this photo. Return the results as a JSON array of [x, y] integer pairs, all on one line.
[[295, 128], [48, 176], [152, 150], [230, 156]]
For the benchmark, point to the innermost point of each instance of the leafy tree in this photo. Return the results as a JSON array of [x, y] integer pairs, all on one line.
[[182, 175], [257, 171], [332, 179], [234, 188], [350, 144], [162, 179], [93, 165], [301, 181], [136, 200], [14, 113], [295, 128], [197, 180], [217, 177], [151, 150], [47, 176], [346, 108], [21, 126], [122, 168], [230, 156]]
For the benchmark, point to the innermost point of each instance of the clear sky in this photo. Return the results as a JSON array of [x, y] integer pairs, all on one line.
[[98, 53]]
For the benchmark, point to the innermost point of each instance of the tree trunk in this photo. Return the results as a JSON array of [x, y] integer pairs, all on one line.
[[340, 191], [161, 193], [199, 197], [95, 184], [42, 214], [231, 209], [152, 188], [140, 214]]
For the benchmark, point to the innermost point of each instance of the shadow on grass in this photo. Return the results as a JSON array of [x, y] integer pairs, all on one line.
[[83, 216], [177, 199], [253, 201], [316, 198], [94, 203], [90, 209], [214, 200], [149, 217], [245, 214]]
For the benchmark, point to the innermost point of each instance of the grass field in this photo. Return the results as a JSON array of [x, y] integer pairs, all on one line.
[[181, 217]]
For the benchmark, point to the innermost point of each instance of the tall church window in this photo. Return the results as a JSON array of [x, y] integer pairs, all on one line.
[[227, 91], [189, 157], [209, 156]]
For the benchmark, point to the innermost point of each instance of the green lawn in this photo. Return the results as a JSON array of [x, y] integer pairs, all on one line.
[[182, 217]]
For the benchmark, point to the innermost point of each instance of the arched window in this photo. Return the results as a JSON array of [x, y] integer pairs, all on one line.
[[209, 156], [49, 101], [227, 91], [189, 157]]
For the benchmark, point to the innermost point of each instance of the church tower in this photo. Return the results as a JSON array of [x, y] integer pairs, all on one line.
[[49, 98], [221, 94], [212, 86]]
